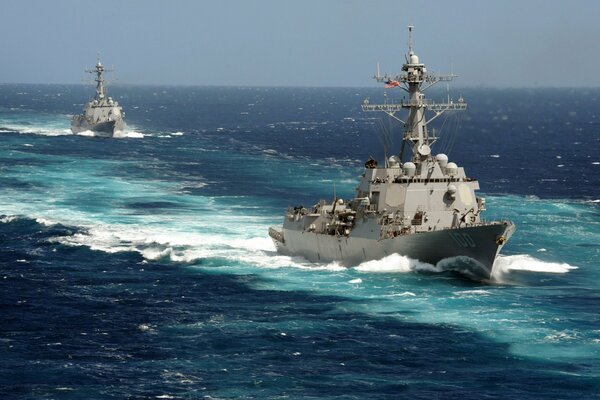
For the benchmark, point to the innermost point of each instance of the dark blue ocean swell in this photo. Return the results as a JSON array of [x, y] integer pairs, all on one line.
[[85, 324], [530, 142], [141, 267]]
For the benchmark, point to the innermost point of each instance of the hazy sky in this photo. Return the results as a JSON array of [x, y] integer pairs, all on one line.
[[300, 42]]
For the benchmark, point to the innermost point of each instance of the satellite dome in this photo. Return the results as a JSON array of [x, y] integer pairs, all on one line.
[[442, 159], [452, 169], [409, 168], [414, 59], [451, 191], [394, 162]]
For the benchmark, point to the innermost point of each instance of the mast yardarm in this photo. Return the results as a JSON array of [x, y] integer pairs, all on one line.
[[415, 79]]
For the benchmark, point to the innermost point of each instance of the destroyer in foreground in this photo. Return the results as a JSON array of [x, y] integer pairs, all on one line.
[[101, 115], [424, 208]]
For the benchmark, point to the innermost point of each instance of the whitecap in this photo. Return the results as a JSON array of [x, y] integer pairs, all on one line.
[[128, 134], [403, 294], [8, 219], [395, 263], [45, 222], [506, 265], [145, 328], [86, 133], [474, 292], [134, 134]]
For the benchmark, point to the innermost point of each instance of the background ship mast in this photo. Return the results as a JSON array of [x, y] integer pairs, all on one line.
[[415, 79]]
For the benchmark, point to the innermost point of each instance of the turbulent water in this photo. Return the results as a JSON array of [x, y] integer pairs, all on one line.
[[140, 266]]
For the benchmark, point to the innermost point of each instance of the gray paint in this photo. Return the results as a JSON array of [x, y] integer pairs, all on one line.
[[101, 115], [426, 208]]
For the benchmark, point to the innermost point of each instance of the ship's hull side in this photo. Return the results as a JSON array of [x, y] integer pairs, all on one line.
[[474, 249]]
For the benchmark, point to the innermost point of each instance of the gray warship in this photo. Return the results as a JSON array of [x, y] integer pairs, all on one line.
[[101, 115], [424, 208]]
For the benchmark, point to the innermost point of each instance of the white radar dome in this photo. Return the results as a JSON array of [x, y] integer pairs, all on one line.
[[451, 191], [409, 168], [452, 169], [414, 59], [442, 159]]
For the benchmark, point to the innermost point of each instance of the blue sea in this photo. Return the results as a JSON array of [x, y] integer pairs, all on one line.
[[140, 267]]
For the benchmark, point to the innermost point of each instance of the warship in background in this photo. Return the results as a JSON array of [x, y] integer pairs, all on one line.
[[101, 115], [424, 208]]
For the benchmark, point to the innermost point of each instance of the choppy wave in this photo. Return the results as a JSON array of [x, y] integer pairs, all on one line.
[[188, 247], [36, 130], [54, 125]]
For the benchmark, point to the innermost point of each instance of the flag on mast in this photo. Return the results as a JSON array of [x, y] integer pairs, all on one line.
[[390, 83]]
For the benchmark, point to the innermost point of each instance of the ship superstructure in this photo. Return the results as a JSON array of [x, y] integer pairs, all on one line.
[[424, 208], [102, 115]]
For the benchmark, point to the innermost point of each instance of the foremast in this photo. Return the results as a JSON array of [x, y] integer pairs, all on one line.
[[99, 70], [414, 79]]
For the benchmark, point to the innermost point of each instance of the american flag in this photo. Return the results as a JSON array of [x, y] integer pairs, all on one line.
[[391, 83]]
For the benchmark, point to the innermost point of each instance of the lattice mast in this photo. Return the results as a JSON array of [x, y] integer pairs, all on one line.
[[415, 79], [99, 70]]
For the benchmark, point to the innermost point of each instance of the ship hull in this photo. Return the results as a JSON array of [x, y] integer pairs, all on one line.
[[470, 251], [100, 129]]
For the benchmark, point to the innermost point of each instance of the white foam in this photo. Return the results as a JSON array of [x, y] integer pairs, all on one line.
[[86, 133], [395, 263], [185, 245], [133, 134], [8, 219], [41, 130], [177, 134], [45, 222], [505, 265], [357, 280], [403, 294], [474, 292]]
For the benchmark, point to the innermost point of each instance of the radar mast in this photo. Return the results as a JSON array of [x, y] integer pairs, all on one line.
[[99, 70], [414, 79]]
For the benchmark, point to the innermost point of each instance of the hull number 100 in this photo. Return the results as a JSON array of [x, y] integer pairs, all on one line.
[[463, 239]]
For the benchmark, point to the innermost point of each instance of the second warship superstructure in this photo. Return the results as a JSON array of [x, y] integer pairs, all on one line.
[[102, 115], [424, 208]]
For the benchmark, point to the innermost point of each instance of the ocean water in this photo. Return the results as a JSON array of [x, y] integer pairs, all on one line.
[[140, 266]]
